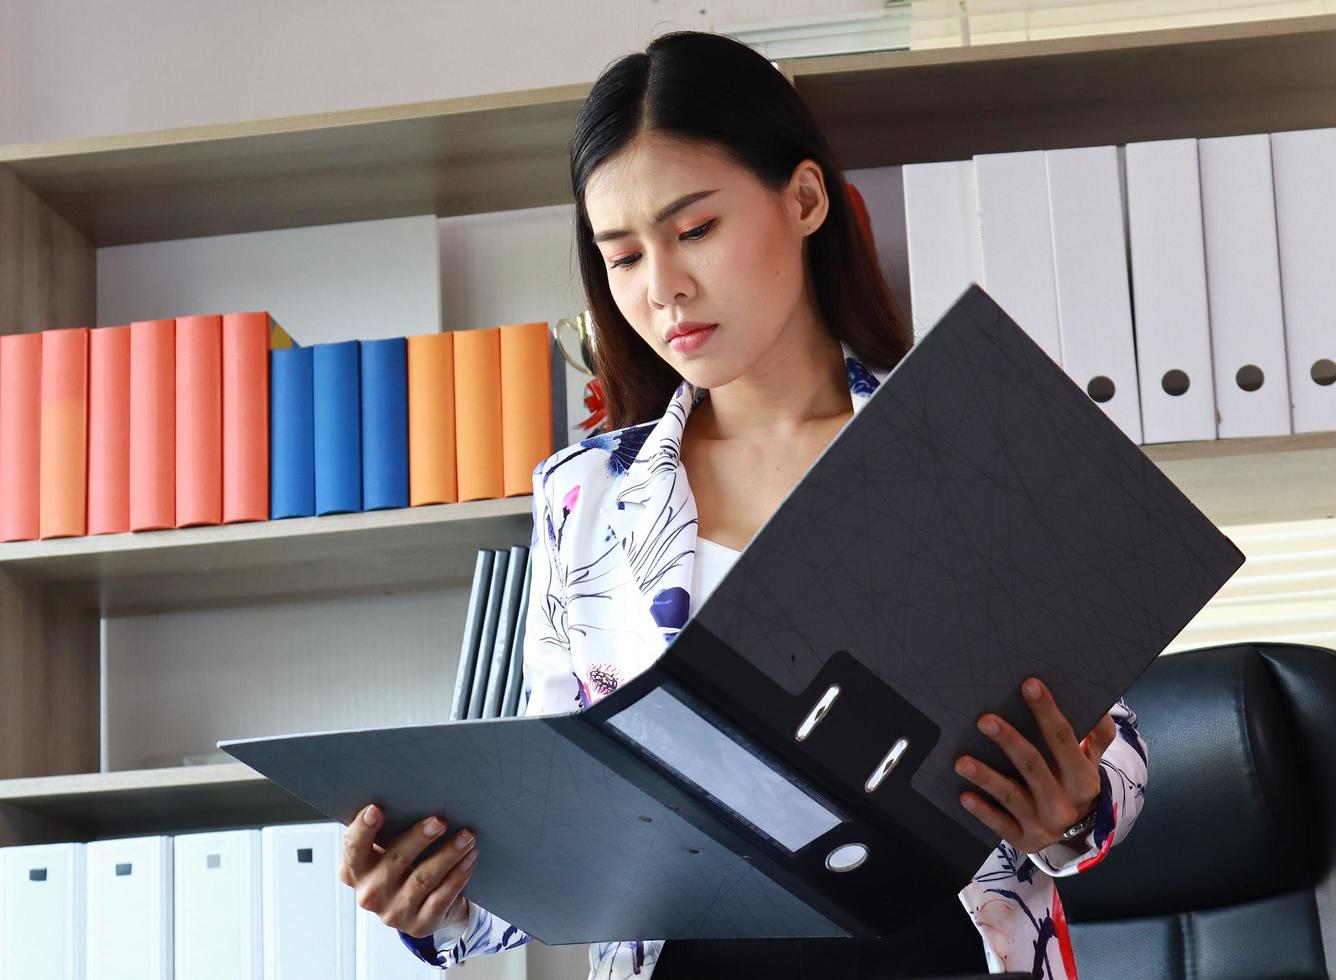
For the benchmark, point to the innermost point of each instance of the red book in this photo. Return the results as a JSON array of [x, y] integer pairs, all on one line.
[[63, 469], [109, 430], [152, 425], [199, 420], [246, 338], [20, 435]]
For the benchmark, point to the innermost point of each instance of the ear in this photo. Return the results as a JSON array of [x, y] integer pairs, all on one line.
[[807, 192]]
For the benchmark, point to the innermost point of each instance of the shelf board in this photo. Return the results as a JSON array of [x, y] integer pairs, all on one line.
[[341, 554], [886, 108], [1254, 480], [154, 801], [445, 157], [510, 149]]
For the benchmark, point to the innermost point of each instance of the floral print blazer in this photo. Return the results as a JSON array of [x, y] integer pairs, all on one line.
[[612, 549]]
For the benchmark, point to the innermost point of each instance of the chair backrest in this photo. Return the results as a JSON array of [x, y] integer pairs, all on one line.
[[1230, 870]]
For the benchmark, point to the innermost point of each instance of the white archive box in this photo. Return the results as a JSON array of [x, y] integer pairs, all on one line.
[[1171, 319], [309, 923], [382, 954], [1252, 391], [1303, 163], [1085, 191], [217, 895], [1016, 242], [129, 917], [42, 905], [941, 237]]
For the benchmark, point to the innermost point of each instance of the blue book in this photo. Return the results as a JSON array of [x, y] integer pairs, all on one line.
[[338, 430], [384, 423], [291, 434]]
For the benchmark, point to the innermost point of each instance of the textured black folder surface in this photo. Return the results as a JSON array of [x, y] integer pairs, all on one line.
[[980, 519]]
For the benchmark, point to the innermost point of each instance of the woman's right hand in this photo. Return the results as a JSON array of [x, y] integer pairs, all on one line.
[[416, 899]]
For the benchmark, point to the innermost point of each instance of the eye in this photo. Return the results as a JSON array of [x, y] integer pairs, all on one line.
[[691, 235]]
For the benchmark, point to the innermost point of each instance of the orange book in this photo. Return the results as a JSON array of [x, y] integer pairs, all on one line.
[[20, 435], [152, 424], [199, 420], [431, 419], [478, 414], [63, 470], [247, 339], [526, 403], [109, 430]]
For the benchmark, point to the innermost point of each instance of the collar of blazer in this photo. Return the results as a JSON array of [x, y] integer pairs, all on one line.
[[649, 505]]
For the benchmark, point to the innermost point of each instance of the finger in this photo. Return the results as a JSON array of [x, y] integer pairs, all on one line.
[[998, 821], [431, 891], [1057, 731], [358, 841], [1008, 793], [1029, 761], [396, 864], [1100, 738]]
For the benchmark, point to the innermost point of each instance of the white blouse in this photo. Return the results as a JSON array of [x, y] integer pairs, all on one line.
[[711, 562]]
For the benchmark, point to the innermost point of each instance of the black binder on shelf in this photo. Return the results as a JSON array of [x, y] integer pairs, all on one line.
[[785, 768]]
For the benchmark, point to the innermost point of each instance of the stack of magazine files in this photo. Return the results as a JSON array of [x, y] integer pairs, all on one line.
[[490, 678]]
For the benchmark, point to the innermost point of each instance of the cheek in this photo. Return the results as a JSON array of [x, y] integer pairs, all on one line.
[[628, 292]]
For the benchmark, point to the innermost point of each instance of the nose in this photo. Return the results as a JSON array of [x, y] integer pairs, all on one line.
[[669, 283]]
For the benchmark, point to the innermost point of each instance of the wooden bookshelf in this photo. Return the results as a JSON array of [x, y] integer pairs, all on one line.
[[61, 200], [509, 150]]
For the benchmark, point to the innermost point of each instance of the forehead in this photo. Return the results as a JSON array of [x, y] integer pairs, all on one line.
[[650, 172]]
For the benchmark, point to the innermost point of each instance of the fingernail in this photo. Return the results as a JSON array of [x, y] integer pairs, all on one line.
[[966, 769], [967, 802], [432, 827], [371, 815], [1032, 689], [988, 726], [463, 840]]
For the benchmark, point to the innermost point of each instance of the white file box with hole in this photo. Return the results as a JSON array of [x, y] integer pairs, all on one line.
[[1303, 164], [308, 911], [1171, 319], [1016, 242], [129, 920], [382, 955], [942, 237], [1085, 193], [42, 895], [216, 901], [1252, 389]]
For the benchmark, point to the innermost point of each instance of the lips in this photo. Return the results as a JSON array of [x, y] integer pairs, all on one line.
[[684, 327]]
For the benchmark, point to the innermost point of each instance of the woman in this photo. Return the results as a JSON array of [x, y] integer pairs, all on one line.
[[730, 282]]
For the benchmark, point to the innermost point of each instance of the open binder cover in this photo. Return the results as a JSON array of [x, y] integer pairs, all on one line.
[[979, 521]]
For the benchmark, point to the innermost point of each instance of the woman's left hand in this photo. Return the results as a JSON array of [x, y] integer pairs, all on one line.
[[1033, 815]]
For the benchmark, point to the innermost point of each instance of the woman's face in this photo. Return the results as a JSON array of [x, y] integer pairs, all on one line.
[[728, 251]]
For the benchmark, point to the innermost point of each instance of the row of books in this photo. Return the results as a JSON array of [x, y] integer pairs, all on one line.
[[409, 421], [1185, 284], [489, 679], [93, 438], [241, 904], [220, 419]]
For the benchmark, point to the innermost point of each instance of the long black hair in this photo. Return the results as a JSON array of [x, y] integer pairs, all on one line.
[[708, 88]]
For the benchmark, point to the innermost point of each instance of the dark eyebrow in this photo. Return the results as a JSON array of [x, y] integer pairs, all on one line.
[[663, 215]]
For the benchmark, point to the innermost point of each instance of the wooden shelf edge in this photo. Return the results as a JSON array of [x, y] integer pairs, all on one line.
[[300, 123], [1243, 446], [34, 789], [14, 554], [798, 69]]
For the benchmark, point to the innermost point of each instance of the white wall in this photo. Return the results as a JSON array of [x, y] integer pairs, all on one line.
[[85, 68]]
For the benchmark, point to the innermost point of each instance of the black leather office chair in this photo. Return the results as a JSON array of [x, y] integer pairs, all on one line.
[[1230, 871]]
